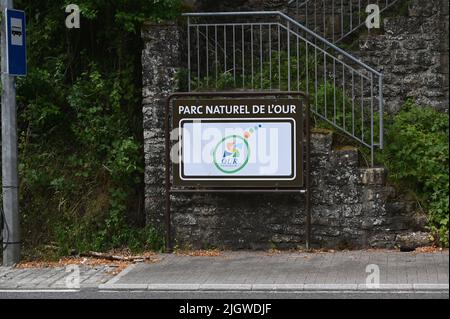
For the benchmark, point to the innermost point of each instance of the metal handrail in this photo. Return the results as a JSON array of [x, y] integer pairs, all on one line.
[[251, 57], [288, 18]]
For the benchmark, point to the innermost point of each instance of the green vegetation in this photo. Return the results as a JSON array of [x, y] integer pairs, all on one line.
[[80, 126], [417, 158]]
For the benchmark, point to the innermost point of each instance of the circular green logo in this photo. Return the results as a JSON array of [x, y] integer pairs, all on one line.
[[232, 154]]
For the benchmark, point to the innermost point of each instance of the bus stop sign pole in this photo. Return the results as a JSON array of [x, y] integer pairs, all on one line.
[[13, 60]]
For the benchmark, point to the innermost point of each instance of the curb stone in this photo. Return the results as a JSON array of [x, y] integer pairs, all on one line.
[[279, 287], [225, 287], [437, 287], [112, 283], [173, 287], [130, 287]]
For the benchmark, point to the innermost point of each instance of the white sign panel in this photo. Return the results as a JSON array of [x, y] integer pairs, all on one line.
[[228, 148], [16, 32]]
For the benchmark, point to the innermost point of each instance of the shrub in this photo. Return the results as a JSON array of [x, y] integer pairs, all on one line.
[[417, 146], [80, 126]]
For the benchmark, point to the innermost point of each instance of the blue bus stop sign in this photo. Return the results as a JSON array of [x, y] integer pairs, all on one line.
[[16, 41]]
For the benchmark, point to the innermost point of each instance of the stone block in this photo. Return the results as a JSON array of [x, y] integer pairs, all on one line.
[[373, 176], [321, 142], [414, 240]]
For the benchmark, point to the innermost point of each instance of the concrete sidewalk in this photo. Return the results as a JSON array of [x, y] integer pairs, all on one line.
[[250, 272], [59, 278], [259, 271]]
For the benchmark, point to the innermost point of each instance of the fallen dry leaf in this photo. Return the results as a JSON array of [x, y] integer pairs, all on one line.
[[430, 249], [274, 252], [200, 253], [116, 266]]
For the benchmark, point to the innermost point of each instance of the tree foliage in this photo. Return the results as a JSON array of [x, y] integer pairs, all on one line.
[[80, 123]]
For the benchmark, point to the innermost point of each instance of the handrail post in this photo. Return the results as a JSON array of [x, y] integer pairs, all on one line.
[[372, 132], [381, 112], [288, 26], [167, 216]]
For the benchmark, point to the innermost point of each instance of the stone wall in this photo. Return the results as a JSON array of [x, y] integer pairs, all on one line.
[[239, 5], [160, 61], [352, 207], [412, 53]]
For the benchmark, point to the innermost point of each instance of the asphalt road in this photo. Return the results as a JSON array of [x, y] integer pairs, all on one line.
[[96, 294]]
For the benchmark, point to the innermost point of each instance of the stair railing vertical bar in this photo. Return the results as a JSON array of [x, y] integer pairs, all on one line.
[[234, 55], [334, 91], [207, 56], [342, 18], [189, 52], [351, 15], [198, 54], [276, 55], [381, 106], [372, 127], [333, 31], [353, 103], [279, 56], [324, 19], [252, 57], [261, 68], [325, 97], [344, 120], [341, 10], [288, 35], [270, 57], [243, 57], [225, 66], [216, 55], [298, 61]]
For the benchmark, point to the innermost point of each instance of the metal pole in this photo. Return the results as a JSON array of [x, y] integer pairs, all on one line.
[[168, 221], [308, 176], [189, 52], [10, 179], [289, 54], [381, 101]]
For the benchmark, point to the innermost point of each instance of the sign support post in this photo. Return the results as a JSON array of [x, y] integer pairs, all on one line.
[[13, 38]]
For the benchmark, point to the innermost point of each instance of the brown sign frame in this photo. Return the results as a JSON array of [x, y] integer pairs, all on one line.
[[249, 106]]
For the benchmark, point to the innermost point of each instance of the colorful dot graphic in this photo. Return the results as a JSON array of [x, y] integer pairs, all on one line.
[[248, 133]]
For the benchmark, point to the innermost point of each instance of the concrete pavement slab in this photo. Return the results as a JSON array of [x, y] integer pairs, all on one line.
[[259, 271], [256, 272], [51, 278]]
